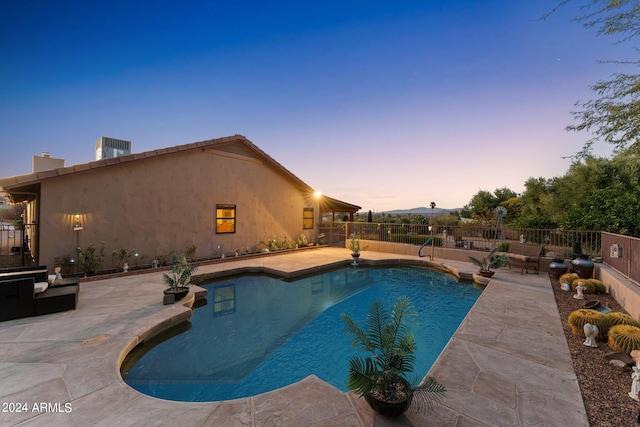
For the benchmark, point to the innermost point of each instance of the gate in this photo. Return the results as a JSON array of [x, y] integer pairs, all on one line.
[[16, 246]]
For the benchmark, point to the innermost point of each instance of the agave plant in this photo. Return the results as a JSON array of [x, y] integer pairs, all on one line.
[[383, 373]]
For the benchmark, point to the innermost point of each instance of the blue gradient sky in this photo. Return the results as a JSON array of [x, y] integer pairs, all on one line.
[[383, 104]]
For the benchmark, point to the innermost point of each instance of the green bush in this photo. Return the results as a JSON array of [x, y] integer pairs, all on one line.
[[90, 260], [65, 263], [504, 247]]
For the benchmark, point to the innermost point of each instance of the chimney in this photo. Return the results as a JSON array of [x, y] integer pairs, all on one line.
[[46, 162]]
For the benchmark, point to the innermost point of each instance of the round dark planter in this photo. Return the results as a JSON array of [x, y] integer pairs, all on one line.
[[486, 273], [179, 292], [592, 304], [385, 408], [557, 268], [582, 266]]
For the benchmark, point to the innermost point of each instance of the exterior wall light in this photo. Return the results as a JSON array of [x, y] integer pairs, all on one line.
[[77, 223]]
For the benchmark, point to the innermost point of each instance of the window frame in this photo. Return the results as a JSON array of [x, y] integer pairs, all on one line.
[[221, 220], [305, 219]]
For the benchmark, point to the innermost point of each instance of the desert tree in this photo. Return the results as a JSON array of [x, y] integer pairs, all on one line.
[[614, 115]]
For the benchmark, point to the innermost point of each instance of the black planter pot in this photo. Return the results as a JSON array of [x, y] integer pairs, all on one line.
[[385, 408], [557, 268], [179, 292], [582, 266]]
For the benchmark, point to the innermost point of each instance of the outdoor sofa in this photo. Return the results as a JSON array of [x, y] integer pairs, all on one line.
[[25, 292]]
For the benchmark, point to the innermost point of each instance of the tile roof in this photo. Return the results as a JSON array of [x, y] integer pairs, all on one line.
[[14, 182]]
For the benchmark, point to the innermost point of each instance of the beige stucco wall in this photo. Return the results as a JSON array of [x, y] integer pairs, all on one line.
[[167, 202], [454, 254], [622, 289]]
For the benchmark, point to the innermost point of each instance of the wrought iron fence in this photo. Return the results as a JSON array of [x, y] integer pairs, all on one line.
[[555, 242], [622, 253], [16, 249]]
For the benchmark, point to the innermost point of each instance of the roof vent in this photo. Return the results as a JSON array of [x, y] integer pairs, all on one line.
[[46, 154]]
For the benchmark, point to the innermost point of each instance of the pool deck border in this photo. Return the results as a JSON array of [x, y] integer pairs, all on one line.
[[507, 364]]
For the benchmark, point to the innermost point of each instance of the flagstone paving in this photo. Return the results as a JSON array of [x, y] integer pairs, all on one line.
[[508, 363]]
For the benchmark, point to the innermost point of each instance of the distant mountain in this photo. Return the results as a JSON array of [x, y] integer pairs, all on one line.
[[422, 211]]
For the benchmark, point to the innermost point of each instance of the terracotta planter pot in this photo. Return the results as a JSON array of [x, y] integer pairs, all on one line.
[[485, 273]]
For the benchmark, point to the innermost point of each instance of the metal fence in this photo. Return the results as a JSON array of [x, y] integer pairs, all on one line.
[[15, 244], [622, 253], [555, 242]]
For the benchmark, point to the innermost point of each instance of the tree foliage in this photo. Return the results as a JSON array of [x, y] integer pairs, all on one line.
[[596, 193], [601, 194], [614, 116], [13, 212], [484, 202]]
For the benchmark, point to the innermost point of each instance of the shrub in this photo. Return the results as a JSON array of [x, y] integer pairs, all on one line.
[[578, 318], [65, 263], [90, 260], [119, 258], [504, 247], [190, 252], [302, 241], [624, 338], [166, 258]]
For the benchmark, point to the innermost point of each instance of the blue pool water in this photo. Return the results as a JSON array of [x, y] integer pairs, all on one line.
[[257, 333]]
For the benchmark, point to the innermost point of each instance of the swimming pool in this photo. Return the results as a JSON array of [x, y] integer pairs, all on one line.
[[258, 333]]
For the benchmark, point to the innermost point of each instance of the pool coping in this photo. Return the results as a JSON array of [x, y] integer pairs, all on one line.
[[47, 360]]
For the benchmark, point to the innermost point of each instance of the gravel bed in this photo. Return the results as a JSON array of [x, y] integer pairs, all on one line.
[[604, 386]]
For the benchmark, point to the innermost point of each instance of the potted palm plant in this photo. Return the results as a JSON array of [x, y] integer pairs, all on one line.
[[179, 279], [493, 260], [354, 245], [382, 375]]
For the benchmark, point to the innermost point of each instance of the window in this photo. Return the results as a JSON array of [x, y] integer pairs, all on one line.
[[225, 219], [307, 218]]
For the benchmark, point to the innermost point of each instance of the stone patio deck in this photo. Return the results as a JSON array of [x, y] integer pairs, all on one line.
[[508, 364]]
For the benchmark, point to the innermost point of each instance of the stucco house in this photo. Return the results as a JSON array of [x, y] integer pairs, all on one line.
[[220, 195]]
